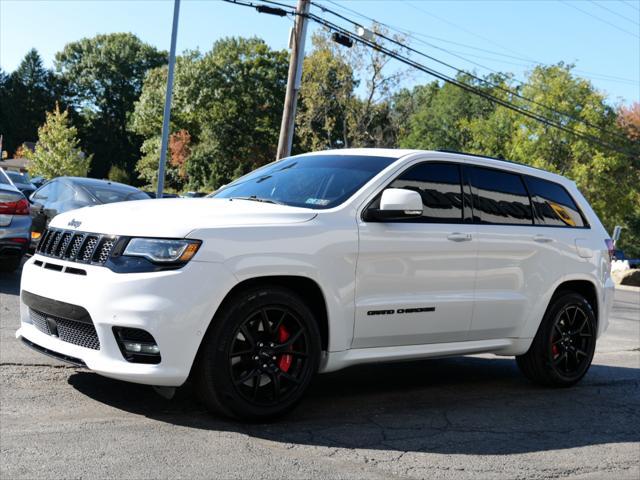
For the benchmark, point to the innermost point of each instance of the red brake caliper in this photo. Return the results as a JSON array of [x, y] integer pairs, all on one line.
[[284, 362]]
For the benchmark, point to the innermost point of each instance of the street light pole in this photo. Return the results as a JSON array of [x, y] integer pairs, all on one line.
[[293, 80], [167, 101]]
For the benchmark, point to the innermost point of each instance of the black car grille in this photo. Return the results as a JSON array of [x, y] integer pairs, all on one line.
[[75, 246], [70, 331]]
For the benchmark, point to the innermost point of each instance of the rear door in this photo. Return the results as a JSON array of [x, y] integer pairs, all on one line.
[[514, 266], [415, 277]]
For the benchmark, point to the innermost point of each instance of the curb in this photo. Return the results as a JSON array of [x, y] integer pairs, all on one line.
[[627, 288]]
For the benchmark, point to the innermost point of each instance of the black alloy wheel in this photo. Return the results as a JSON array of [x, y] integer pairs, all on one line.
[[571, 339], [269, 355], [259, 354], [563, 348]]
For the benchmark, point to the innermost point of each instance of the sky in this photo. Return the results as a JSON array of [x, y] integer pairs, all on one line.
[[602, 38]]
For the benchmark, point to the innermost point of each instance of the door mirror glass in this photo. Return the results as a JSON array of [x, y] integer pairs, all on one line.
[[397, 203]]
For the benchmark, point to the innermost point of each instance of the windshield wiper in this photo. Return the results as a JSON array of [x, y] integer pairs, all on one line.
[[254, 198]]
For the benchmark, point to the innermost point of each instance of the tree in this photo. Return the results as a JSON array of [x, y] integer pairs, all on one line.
[[180, 149], [629, 121], [58, 151], [331, 114], [105, 76], [25, 97], [229, 100], [325, 93], [118, 174]]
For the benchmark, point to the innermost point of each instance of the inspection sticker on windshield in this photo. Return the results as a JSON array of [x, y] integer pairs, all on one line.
[[317, 201]]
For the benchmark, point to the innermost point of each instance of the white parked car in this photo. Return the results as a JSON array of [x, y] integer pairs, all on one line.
[[322, 261]]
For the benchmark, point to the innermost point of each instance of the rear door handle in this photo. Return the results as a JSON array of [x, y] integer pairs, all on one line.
[[459, 237], [542, 239]]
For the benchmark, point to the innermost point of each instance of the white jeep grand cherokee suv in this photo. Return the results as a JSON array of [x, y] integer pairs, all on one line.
[[319, 262]]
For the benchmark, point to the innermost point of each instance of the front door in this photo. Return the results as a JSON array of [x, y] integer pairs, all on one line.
[[415, 277]]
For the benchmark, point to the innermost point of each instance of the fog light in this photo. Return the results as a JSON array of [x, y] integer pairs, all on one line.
[[141, 347], [137, 345]]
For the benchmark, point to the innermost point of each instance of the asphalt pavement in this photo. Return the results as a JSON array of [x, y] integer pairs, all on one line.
[[459, 418]]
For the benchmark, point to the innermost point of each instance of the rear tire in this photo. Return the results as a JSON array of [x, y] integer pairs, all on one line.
[[563, 347], [259, 355]]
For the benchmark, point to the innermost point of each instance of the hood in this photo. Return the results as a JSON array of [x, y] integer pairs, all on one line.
[[176, 217]]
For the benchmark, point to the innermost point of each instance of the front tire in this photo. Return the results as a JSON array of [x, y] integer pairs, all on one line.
[[563, 348], [259, 355]]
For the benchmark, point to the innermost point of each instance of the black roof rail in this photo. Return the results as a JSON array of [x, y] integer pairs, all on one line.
[[492, 158]]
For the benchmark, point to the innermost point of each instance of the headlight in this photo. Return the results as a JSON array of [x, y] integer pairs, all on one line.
[[162, 251]]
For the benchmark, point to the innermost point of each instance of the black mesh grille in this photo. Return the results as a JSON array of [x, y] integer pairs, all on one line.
[[78, 333], [40, 321], [70, 331], [103, 252], [86, 252], [76, 246], [64, 244]]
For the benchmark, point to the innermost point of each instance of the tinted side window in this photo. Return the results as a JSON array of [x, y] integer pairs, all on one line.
[[439, 186], [552, 204], [43, 192], [500, 197]]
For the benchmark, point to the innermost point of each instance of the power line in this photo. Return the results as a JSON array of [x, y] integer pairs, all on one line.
[[617, 27], [630, 4], [636, 24], [475, 77], [413, 35], [486, 39], [471, 89]]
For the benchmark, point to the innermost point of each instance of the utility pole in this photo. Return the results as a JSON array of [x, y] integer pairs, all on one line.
[[167, 100], [294, 79]]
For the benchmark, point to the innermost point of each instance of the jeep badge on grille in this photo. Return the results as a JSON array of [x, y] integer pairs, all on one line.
[[74, 223]]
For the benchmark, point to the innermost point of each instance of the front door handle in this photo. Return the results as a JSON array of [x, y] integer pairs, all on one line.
[[459, 237], [542, 239]]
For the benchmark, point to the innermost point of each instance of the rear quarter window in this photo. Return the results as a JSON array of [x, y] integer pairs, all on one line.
[[553, 206]]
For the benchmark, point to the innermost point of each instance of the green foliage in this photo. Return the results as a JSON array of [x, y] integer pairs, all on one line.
[[229, 100], [57, 152], [25, 96], [118, 174], [104, 75]]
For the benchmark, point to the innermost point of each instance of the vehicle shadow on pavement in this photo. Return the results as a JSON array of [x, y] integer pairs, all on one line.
[[10, 282], [472, 405]]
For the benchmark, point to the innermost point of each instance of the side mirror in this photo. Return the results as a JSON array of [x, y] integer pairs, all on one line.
[[397, 204]]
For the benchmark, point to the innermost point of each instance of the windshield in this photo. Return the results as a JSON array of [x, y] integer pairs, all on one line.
[[312, 181], [18, 177]]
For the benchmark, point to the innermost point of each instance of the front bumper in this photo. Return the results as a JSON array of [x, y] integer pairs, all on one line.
[[175, 307]]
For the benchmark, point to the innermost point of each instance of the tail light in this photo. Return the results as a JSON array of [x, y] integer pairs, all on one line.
[[13, 204], [611, 248]]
